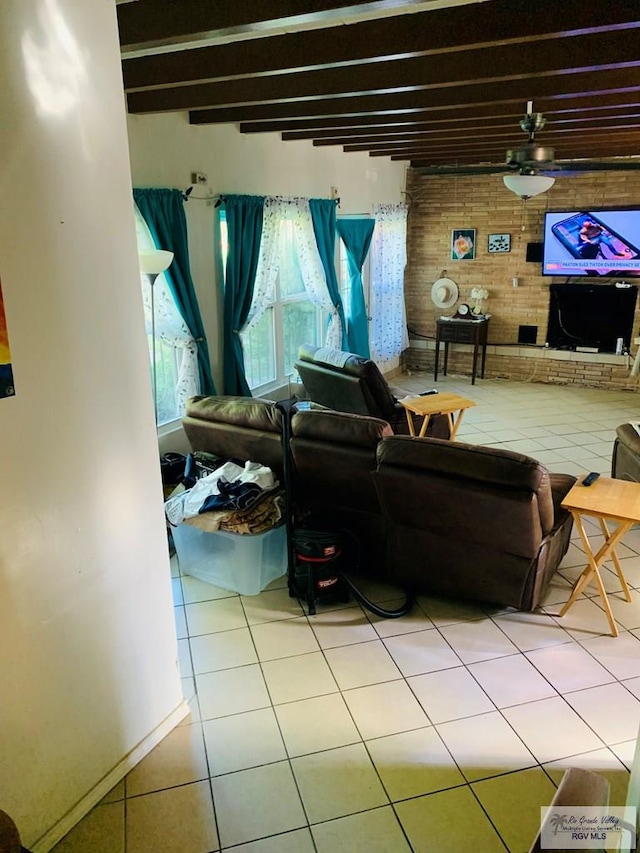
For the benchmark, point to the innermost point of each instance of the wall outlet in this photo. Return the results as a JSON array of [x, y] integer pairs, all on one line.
[[199, 178]]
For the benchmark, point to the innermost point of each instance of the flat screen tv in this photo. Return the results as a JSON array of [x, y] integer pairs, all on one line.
[[594, 242], [591, 315]]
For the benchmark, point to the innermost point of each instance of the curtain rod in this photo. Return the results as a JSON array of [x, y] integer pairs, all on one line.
[[222, 198]]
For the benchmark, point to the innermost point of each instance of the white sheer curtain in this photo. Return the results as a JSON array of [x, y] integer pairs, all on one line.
[[388, 334], [276, 211], [178, 377]]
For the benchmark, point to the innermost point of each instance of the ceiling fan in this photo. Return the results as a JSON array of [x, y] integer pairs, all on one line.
[[532, 160]]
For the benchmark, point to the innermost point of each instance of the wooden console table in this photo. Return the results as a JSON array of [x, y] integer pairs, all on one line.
[[462, 332]]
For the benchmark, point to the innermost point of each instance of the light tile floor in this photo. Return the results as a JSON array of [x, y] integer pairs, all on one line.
[[442, 731]]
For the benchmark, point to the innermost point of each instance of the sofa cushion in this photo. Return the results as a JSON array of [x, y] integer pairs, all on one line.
[[253, 412]]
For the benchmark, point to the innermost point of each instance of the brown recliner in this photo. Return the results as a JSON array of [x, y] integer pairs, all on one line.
[[334, 456], [471, 522], [236, 427], [625, 460], [354, 384]]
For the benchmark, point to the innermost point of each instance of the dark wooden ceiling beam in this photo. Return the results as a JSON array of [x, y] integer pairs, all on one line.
[[504, 132], [441, 158], [344, 136], [417, 34], [586, 153], [601, 148], [167, 22], [584, 105], [591, 84], [491, 151], [505, 63], [328, 127], [510, 140]]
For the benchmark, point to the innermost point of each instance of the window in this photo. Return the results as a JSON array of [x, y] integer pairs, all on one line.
[[344, 278], [176, 362], [343, 275], [289, 319]]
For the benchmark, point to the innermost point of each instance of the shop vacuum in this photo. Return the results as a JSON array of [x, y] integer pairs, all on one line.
[[317, 556]]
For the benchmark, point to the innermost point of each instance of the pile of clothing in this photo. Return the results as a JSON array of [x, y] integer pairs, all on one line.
[[239, 499]]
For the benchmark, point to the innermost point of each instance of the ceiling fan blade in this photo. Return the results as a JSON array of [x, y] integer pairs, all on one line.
[[489, 169], [577, 166]]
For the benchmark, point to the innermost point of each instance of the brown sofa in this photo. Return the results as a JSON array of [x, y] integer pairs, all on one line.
[[432, 515]]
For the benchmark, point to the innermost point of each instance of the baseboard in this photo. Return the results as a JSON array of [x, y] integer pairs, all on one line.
[[393, 372], [99, 791]]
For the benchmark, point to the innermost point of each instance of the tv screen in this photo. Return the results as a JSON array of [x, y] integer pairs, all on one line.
[[591, 315], [592, 243]]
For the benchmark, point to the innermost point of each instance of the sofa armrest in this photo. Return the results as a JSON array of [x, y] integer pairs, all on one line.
[[561, 485]]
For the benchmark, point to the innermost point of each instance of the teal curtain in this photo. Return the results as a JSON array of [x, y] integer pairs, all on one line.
[[323, 214], [356, 235], [163, 211], [244, 229]]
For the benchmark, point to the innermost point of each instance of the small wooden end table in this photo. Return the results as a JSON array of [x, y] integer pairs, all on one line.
[[436, 404], [607, 500], [456, 331]]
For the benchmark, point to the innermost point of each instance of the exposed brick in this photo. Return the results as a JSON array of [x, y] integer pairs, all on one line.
[[440, 204]]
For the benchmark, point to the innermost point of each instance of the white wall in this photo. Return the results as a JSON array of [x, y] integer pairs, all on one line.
[[88, 671], [166, 149]]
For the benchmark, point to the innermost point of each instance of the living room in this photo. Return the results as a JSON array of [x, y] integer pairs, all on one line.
[[264, 164]]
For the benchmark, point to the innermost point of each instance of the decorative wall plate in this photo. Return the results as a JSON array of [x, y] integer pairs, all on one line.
[[499, 242], [444, 293]]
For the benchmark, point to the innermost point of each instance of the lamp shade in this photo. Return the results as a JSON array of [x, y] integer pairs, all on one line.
[[155, 262], [527, 186]]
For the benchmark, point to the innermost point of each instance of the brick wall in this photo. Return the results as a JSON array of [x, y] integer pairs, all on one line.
[[439, 204]]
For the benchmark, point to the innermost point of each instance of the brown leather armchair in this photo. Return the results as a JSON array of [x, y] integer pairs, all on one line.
[[357, 386], [471, 522]]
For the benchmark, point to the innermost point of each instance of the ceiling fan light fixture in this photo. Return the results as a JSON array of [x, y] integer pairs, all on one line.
[[528, 186]]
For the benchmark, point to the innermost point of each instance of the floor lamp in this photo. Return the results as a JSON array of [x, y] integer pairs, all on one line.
[[151, 265]]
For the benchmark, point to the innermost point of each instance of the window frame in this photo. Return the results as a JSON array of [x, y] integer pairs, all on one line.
[[281, 379]]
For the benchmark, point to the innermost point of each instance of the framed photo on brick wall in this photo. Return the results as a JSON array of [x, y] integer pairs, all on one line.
[[499, 243], [463, 244]]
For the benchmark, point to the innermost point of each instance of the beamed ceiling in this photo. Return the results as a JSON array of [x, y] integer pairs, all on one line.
[[431, 83]]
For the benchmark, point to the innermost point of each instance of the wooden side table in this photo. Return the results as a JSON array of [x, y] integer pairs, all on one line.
[[462, 332], [607, 500], [436, 404]]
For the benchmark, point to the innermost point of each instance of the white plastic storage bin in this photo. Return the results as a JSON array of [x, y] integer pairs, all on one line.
[[242, 563]]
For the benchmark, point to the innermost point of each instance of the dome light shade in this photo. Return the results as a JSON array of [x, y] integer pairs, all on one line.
[[154, 262], [528, 186]]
